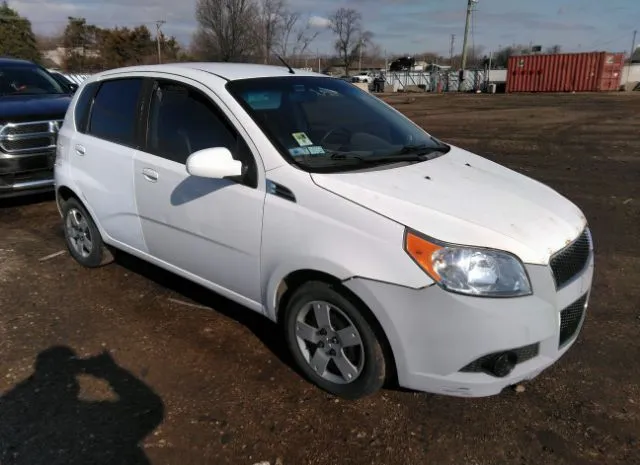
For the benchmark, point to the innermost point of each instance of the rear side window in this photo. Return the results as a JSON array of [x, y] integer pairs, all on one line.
[[114, 111], [83, 105]]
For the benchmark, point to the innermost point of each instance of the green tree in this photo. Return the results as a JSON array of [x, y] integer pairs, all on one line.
[[126, 47], [17, 39], [82, 43]]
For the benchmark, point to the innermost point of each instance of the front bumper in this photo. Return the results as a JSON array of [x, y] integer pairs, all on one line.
[[26, 174], [434, 334]]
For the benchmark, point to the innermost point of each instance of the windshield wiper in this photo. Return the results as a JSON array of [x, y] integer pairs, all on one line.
[[378, 159], [346, 156], [422, 149], [408, 153]]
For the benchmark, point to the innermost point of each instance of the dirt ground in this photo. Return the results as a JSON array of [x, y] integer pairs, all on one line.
[[194, 379]]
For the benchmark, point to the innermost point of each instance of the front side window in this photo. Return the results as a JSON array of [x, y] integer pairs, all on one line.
[[114, 112], [322, 123], [28, 79], [182, 120]]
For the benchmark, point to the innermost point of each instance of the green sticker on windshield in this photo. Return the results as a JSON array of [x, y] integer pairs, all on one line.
[[302, 139]]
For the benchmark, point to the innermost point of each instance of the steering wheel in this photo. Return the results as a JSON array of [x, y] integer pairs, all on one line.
[[332, 130]]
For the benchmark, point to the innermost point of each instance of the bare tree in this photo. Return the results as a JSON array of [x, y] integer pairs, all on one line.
[[271, 18], [228, 28], [297, 33], [289, 21], [346, 24], [304, 36]]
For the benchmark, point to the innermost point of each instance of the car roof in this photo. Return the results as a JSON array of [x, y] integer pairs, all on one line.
[[15, 61], [228, 71]]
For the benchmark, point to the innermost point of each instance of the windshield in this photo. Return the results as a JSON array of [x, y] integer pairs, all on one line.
[[324, 123], [25, 79]]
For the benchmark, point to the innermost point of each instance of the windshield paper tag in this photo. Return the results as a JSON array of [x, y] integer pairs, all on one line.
[[315, 150], [299, 151], [302, 139]]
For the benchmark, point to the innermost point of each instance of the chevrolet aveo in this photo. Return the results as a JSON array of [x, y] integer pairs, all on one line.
[[383, 252]]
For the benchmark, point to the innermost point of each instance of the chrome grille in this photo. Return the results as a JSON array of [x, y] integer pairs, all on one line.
[[30, 137]]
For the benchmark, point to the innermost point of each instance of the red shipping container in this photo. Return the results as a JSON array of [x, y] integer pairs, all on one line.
[[565, 72]]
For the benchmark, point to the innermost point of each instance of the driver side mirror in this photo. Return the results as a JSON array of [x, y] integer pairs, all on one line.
[[216, 163], [73, 87]]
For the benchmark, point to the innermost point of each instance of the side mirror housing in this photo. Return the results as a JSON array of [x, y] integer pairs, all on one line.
[[216, 162]]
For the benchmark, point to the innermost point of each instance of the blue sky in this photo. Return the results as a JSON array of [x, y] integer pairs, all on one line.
[[399, 26]]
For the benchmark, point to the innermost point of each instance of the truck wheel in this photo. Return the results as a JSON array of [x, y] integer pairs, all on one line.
[[82, 235], [332, 342]]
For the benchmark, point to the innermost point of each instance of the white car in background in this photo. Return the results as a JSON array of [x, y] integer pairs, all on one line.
[[383, 252], [364, 76]]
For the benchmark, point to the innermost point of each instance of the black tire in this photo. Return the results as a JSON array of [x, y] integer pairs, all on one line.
[[373, 370], [98, 255]]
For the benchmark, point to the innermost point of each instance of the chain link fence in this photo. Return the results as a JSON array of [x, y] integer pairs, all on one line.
[[445, 81]]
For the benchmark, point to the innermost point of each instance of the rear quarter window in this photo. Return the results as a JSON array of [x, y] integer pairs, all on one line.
[[114, 112], [83, 106]]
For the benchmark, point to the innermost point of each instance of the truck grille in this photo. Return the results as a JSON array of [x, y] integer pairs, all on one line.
[[570, 319], [28, 138], [571, 260]]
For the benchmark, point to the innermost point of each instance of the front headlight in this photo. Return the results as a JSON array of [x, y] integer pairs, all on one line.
[[469, 270]]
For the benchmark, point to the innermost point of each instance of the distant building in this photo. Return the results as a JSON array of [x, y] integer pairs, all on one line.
[[58, 54]]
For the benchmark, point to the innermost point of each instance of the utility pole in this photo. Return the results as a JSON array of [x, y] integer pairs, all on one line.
[[633, 49], [453, 44], [360, 49], [470, 5], [159, 24]]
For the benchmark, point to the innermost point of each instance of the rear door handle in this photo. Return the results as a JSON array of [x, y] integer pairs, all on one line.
[[80, 150], [150, 175]]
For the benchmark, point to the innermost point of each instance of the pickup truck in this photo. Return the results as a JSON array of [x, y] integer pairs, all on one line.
[[32, 107]]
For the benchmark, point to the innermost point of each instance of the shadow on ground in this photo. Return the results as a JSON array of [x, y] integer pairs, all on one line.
[[28, 199], [269, 333], [44, 421]]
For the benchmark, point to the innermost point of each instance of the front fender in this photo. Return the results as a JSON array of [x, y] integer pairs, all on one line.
[[316, 264]]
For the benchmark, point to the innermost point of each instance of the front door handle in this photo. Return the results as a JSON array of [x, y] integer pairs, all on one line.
[[80, 150], [150, 175]]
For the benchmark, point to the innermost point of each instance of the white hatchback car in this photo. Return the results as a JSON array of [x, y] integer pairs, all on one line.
[[382, 251]]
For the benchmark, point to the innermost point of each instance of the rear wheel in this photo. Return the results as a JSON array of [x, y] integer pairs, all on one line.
[[82, 235], [332, 342]]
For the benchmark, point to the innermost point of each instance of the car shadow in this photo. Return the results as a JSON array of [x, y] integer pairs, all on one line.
[[193, 188], [27, 199], [44, 421], [268, 332]]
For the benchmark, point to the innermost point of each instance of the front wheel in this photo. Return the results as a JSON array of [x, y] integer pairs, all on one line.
[[332, 342]]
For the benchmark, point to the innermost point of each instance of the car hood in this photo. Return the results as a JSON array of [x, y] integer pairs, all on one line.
[[462, 198], [20, 108]]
